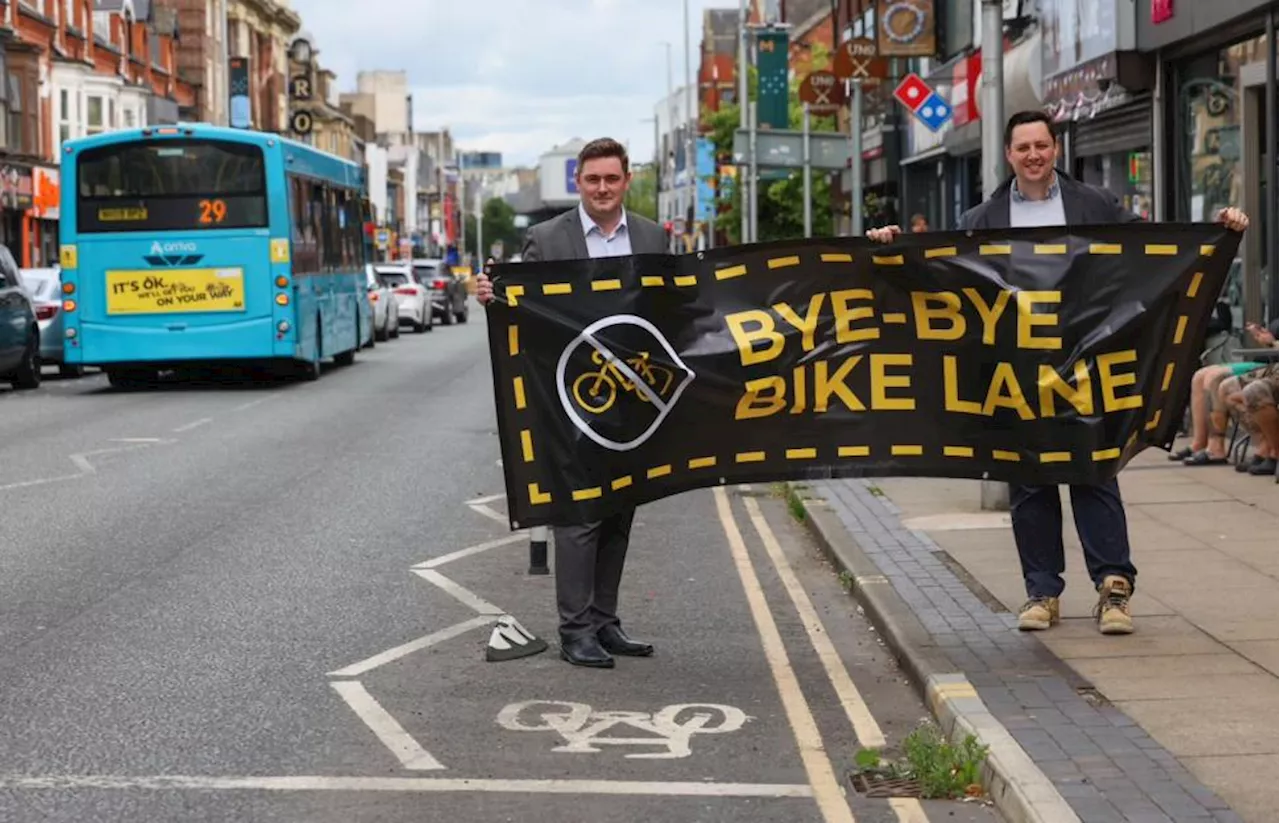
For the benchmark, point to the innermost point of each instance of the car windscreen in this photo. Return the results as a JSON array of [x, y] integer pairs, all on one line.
[[393, 277], [171, 184]]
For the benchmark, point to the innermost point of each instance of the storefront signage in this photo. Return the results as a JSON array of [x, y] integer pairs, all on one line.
[[15, 187], [906, 28], [1076, 33], [1161, 10], [47, 193]]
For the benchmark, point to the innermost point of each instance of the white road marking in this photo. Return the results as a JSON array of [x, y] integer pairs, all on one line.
[[82, 462], [195, 424], [584, 729], [313, 783], [387, 728], [467, 552], [855, 708], [252, 403], [487, 499], [826, 789], [405, 649], [24, 484], [462, 595], [481, 508]]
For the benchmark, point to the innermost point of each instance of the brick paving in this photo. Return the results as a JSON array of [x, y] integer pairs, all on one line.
[[1105, 765]]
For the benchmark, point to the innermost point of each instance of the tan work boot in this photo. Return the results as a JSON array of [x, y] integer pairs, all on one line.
[[1038, 614], [1112, 611]]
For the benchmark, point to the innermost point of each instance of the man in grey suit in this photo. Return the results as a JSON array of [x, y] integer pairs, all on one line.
[[589, 557]]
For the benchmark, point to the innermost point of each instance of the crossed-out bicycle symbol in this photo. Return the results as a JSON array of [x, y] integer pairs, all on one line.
[[597, 391], [582, 727]]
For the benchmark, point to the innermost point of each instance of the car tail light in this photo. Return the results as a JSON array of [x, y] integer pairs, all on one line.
[[411, 291], [46, 311], [438, 285]]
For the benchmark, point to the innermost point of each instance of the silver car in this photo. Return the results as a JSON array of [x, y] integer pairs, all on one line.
[[46, 296], [386, 313]]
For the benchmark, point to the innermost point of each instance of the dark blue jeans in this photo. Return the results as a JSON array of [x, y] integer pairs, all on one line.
[[1037, 529]]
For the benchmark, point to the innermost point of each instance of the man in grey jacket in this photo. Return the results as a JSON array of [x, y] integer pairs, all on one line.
[[1039, 194], [589, 557]]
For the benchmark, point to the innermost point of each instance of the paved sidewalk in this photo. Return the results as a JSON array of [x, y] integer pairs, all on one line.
[[1175, 722]]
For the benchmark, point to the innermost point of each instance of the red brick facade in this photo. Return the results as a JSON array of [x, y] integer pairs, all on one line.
[[37, 36]]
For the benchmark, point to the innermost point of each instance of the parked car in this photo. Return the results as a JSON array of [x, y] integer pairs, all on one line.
[[386, 316], [413, 302], [448, 292], [45, 286], [19, 331]]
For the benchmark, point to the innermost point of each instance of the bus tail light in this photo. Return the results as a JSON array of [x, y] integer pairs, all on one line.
[[282, 326], [70, 333], [68, 288], [68, 305], [282, 282], [282, 299]]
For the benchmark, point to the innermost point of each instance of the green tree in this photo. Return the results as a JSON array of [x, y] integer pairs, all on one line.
[[781, 201], [499, 222], [642, 196]]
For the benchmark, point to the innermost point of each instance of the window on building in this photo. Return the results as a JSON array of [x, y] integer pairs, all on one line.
[[16, 137], [128, 119], [93, 120], [4, 104], [65, 118], [111, 114]]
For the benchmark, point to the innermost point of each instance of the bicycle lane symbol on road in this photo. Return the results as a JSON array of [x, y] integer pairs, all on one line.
[[583, 729], [594, 399]]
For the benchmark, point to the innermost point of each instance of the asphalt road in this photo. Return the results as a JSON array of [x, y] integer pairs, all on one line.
[[244, 602]]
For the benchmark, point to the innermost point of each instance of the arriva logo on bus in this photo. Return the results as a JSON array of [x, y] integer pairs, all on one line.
[[172, 246]]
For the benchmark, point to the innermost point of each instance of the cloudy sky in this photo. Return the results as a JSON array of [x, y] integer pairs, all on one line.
[[516, 76]]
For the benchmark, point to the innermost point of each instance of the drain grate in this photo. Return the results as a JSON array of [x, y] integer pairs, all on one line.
[[873, 785]]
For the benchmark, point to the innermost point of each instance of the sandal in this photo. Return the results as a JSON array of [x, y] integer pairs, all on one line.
[[1204, 459], [1245, 465], [1181, 454]]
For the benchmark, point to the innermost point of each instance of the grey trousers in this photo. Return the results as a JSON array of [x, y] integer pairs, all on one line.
[[589, 560]]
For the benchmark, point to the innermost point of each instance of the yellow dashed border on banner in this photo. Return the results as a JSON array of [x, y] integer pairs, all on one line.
[[1055, 457], [837, 258], [588, 494], [685, 280], [854, 451], [889, 260], [802, 454], [1180, 331], [1207, 250], [784, 262], [941, 251], [989, 249], [538, 497], [1195, 284], [606, 285], [620, 483], [1106, 248], [658, 471], [731, 272], [513, 339], [957, 451], [1162, 249], [1005, 456], [550, 289], [650, 281], [1051, 248], [517, 387], [702, 462], [1168, 377], [750, 457], [906, 451], [514, 293]]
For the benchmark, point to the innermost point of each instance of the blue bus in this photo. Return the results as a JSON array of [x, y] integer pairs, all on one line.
[[200, 246]]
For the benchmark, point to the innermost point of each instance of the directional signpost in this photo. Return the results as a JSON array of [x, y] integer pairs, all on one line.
[[859, 62], [823, 91]]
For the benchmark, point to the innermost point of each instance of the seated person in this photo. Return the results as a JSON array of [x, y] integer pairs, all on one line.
[[1209, 408]]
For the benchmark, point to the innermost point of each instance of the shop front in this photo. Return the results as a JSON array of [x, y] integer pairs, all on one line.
[[15, 202], [1218, 128], [1099, 89], [42, 219]]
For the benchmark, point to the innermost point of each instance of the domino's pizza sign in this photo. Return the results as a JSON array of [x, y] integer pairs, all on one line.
[[924, 103], [571, 175]]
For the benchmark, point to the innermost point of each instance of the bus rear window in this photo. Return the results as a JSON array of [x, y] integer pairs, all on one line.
[[164, 185]]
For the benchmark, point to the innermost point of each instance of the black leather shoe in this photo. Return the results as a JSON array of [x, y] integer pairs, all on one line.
[[615, 641], [585, 651]]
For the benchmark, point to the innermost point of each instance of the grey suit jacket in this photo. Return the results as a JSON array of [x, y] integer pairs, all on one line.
[[561, 238]]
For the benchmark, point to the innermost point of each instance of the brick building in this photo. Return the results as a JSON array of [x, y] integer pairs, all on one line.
[[202, 58], [261, 31], [72, 68]]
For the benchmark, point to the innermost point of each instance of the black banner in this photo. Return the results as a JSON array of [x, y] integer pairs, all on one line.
[[1030, 356]]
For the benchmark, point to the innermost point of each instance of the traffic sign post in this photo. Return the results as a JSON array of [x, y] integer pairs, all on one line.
[[858, 61]]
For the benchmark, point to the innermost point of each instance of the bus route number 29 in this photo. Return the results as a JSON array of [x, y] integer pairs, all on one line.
[[212, 212]]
